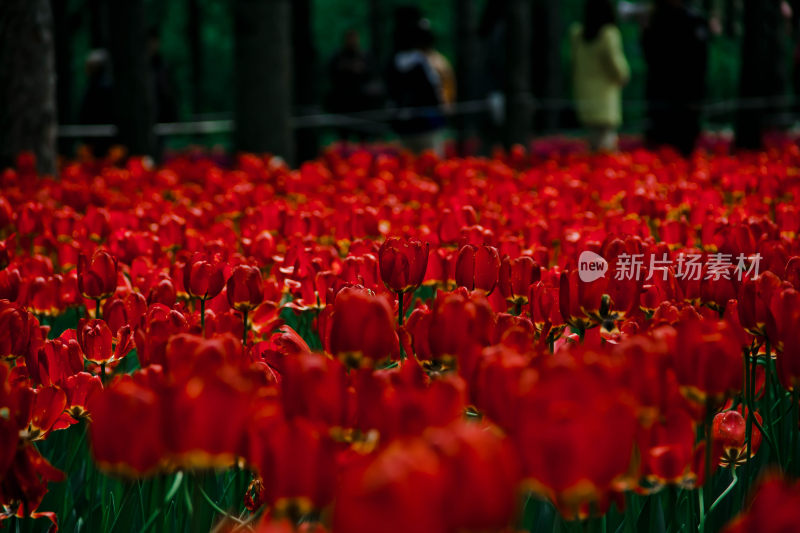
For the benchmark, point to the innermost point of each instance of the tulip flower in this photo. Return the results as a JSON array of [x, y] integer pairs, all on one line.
[[707, 360], [403, 263], [478, 267], [516, 277], [97, 277], [362, 328], [772, 508], [728, 433], [19, 331], [97, 343], [203, 279], [245, 292]]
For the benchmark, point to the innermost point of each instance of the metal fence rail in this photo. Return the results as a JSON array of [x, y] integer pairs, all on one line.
[[380, 118]]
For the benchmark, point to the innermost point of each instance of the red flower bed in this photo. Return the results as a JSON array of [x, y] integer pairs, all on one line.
[[378, 342]]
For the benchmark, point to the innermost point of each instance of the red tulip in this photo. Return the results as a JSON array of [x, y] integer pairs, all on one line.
[[245, 289], [81, 389], [97, 278], [516, 277], [96, 341], [19, 331], [728, 433], [785, 308], [754, 300], [403, 263], [297, 467], [707, 359], [362, 328], [10, 281], [203, 277], [772, 508], [94, 337], [478, 267]]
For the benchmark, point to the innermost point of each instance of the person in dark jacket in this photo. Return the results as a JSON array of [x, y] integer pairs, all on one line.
[[354, 83], [675, 43], [415, 88]]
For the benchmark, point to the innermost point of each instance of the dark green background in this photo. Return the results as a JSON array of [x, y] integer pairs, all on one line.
[[330, 20]]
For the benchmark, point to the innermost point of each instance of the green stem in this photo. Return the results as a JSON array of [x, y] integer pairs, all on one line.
[[793, 429], [97, 308], [202, 317], [216, 507], [750, 400], [244, 328], [719, 499], [400, 308], [772, 444], [701, 504], [707, 485], [767, 387]]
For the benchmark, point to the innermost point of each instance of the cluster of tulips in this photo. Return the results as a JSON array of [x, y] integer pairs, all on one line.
[[382, 342]]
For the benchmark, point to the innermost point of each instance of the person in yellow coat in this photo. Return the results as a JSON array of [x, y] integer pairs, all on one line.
[[599, 71]]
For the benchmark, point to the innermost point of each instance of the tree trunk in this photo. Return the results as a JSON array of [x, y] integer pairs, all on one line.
[[546, 55], [98, 20], [304, 70], [62, 36], [27, 83], [376, 30], [133, 89], [762, 80], [467, 52], [263, 67], [518, 100]]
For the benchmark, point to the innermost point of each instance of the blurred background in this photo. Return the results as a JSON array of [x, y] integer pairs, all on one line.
[[290, 77]]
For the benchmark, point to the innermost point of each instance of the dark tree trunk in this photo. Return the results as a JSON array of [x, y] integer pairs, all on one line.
[[133, 89], [546, 57], [376, 30], [195, 54], [27, 83], [467, 52], [63, 58], [98, 20], [762, 79], [304, 70], [263, 65], [518, 60]]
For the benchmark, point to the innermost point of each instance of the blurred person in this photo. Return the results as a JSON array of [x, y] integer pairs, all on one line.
[[600, 70], [415, 88], [675, 43], [439, 63], [97, 105], [354, 84]]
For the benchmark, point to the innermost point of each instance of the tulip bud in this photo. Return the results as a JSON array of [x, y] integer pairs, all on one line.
[[478, 267], [516, 277], [95, 339], [97, 278], [403, 264], [362, 328], [245, 289], [728, 433], [203, 277]]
